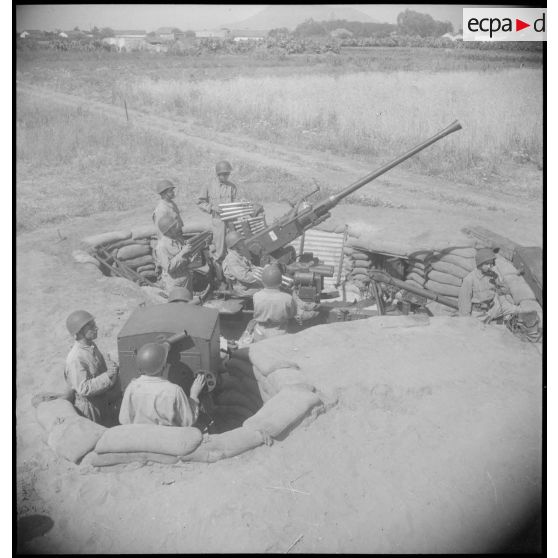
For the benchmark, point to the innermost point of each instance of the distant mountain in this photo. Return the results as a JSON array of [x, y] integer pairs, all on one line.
[[290, 16]]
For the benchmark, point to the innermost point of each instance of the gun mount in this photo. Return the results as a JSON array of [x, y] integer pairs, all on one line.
[[268, 244]]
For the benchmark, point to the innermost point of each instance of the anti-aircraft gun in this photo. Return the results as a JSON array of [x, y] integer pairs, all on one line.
[[271, 243]]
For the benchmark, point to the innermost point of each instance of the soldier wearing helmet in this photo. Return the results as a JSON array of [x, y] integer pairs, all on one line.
[[237, 268], [96, 386], [152, 399], [482, 293], [166, 206], [272, 308], [173, 253], [221, 190]]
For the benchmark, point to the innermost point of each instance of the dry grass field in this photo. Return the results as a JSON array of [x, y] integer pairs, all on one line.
[[367, 105]]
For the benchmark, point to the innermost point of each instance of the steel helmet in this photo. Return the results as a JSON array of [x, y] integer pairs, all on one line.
[[232, 238], [223, 166], [151, 358], [163, 185], [76, 320], [271, 276], [166, 222], [180, 294], [484, 255]]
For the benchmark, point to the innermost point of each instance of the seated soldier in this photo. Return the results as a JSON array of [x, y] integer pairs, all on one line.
[[272, 308], [95, 386], [237, 268], [182, 294], [482, 293], [152, 399], [173, 255]]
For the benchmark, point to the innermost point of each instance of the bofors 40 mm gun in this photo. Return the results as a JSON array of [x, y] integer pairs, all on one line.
[[270, 243]]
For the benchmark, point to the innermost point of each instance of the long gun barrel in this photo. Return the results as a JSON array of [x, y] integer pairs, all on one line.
[[273, 238], [384, 277]]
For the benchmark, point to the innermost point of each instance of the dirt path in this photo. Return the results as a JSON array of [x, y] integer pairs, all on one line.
[[509, 206]]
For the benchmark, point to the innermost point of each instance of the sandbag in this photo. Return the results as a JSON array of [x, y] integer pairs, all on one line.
[[449, 268], [531, 306], [75, 437], [362, 264], [136, 262], [464, 252], [347, 250], [519, 289], [51, 413], [413, 283], [418, 266], [360, 256], [170, 440], [234, 397], [445, 278], [283, 410], [105, 238], [145, 231], [107, 459], [113, 246], [288, 377], [360, 271], [418, 279], [81, 256], [420, 272], [228, 444], [465, 263], [133, 251], [146, 267], [505, 267], [441, 288]]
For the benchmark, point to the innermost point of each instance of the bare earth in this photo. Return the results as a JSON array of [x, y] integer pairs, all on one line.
[[231, 506]]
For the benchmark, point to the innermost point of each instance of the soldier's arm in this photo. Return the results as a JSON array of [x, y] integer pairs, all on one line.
[[203, 200], [84, 386], [125, 415], [186, 409]]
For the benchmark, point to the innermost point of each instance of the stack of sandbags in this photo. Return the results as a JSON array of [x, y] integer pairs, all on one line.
[[520, 291], [138, 255], [417, 268], [447, 268], [356, 267], [70, 435]]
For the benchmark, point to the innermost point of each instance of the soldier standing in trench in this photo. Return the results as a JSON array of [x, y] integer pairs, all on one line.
[[166, 206], [220, 190], [96, 386]]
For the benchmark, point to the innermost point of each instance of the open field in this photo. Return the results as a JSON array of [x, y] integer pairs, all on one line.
[[338, 104]]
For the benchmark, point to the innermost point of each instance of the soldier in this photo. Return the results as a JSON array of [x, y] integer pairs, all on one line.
[[173, 252], [221, 190], [237, 268], [166, 205], [96, 387], [152, 399], [182, 294], [272, 308], [482, 293]]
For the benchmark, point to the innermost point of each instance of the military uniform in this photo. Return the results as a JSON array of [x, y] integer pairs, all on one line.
[[479, 295], [175, 268], [155, 400], [86, 373], [208, 200], [238, 269], [272, 311], [166, 207]]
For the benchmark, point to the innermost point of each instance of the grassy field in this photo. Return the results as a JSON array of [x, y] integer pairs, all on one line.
[[369, 104], [73, 163]]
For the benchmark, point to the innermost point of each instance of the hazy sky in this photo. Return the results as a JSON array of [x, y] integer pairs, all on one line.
[[186, 16]]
